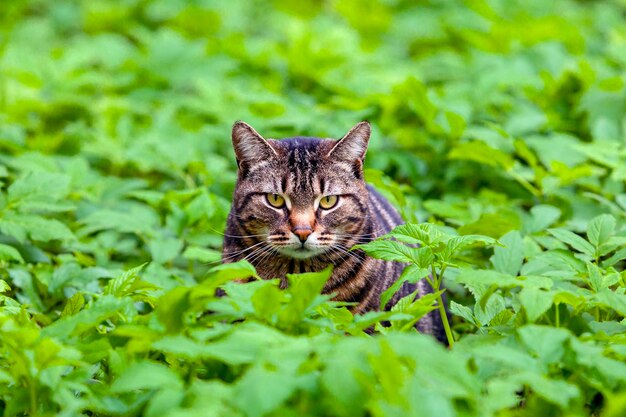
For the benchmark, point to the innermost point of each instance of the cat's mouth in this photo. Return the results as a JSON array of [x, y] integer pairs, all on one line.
[[293, 247], [301, 251]]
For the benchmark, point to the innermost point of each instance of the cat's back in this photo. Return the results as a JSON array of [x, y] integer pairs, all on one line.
[[384, 215]]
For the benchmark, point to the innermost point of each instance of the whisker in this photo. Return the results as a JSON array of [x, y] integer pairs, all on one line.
[[278, 239], [350, 242], [263, 257], [260, 255], [336, 252], [375, 232], [252, 255], [237, 253], [349, 253], [243, 236], [235, 236]]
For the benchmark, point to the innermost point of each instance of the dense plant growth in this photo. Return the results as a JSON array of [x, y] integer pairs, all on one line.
[[499, 133]]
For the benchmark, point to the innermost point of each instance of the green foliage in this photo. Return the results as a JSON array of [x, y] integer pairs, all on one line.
[[499, 131]]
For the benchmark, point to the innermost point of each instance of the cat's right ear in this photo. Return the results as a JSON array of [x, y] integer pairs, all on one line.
[[250, 147], [353, 145]]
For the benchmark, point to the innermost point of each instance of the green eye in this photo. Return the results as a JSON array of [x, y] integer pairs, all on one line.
[[328, 202], [275, 200]]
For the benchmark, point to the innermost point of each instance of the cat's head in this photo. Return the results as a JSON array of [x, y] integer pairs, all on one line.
[[302, 196]]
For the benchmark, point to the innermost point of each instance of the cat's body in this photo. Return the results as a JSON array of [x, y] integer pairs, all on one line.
[[301, 203]]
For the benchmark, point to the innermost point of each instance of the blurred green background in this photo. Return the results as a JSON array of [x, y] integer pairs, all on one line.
[[481, 110]]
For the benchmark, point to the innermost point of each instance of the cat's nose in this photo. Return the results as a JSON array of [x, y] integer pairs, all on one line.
[[302, 232]]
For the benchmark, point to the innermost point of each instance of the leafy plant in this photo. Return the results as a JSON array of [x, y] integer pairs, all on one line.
[[498, 133]]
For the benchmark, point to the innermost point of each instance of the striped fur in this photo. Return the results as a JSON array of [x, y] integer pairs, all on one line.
[[303, 169]]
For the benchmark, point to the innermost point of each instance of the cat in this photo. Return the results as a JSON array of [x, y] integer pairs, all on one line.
[[301, 203]]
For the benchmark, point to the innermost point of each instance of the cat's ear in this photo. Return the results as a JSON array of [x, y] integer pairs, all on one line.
[[250, 147], [353, 145]]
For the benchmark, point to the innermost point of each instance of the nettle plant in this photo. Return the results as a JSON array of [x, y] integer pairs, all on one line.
[[556, 278], [428, 250]]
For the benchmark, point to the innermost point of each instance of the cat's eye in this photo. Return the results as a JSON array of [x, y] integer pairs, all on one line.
[[275, 200], [328, 202]]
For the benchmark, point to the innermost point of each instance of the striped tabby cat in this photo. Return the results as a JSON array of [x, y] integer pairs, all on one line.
[[301, 203]]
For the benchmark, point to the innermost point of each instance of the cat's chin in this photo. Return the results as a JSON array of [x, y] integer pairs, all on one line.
[[301, 252]]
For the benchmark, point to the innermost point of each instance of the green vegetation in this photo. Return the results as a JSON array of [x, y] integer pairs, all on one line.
[[499, 132]]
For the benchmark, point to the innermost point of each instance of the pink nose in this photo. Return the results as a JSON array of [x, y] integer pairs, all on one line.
[[302, 232]]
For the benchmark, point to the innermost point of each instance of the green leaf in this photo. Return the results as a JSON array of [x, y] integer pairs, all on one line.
[[410, 274], [30, 292], [197, 253], [456, 244], [480, 152], [487, 278], [611, 300], [9, 253], [242, 345], [558, 392], [13, 229], [167, 399], [573, 240], [224, 273], [304, 290], [486, 312], [172, 308], [536, 302], [610, 245], [104, 308], [545, 342], [509, 259], [493, 224], [37, 227], [200, 207], [424, 258], [268, 301], [73, 305], [164, 250], [138, 219], [595, 277], [462, 311], [620, 255], [389, 250], [600, 229], [258, 400], [343, 364], [542, 216], [409, 310], [39, 184], [554, 262], [145, 375], [423, 233], [124, 283]]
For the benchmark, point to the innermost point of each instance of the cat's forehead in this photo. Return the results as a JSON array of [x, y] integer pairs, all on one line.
[[302, 168], [305, 167], [299, 148]]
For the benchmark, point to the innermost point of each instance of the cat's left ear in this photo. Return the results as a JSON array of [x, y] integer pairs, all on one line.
[[250, 147], [353, 145]]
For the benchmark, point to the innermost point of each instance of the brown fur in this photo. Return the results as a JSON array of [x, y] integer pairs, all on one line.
[[303, 169]]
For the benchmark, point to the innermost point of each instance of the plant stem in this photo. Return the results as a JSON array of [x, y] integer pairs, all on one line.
[[442, 309], [528, 186], [33, 397], [557, 318], [444, 319]]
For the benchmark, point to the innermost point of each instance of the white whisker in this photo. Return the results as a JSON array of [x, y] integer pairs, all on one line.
[[236, 254]]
